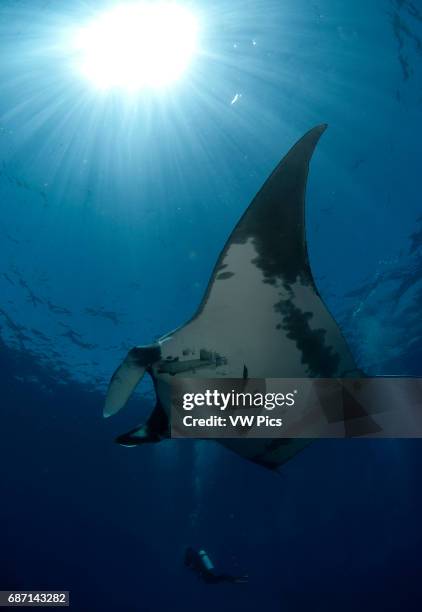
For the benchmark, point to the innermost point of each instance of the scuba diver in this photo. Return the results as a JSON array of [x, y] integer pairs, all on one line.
[[200, 563]]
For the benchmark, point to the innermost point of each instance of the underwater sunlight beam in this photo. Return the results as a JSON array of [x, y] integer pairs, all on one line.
[[136, 45]]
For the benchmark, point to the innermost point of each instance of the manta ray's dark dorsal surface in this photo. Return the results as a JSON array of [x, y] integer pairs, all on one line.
[[261, 315]]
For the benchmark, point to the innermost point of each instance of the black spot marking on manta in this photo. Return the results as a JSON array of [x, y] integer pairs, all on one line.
[[320, 358], [225, 275]]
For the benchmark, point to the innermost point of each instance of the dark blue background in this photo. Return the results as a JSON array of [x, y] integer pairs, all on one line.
[[112, 216]]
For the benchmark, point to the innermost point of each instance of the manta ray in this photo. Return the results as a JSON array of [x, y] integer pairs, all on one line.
[[262, 316]]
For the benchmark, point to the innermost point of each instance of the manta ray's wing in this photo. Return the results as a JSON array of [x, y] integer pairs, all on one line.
[[262, 313], [262, 310], [274, 224], [261, 316]]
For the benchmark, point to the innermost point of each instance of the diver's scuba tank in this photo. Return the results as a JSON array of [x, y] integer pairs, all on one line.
[[208, 564]]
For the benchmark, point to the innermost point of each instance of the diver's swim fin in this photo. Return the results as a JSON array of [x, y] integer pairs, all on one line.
[[154, 430]]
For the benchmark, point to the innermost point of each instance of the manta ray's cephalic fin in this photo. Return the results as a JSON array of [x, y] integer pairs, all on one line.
[[154, 430], [128, 375]]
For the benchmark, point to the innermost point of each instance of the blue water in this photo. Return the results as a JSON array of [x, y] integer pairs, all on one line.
[[114, 210]]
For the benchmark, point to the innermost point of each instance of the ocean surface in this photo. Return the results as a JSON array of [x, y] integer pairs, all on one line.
[[114, 208]]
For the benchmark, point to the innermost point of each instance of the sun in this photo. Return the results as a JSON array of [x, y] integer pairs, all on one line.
[[136, 45]]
